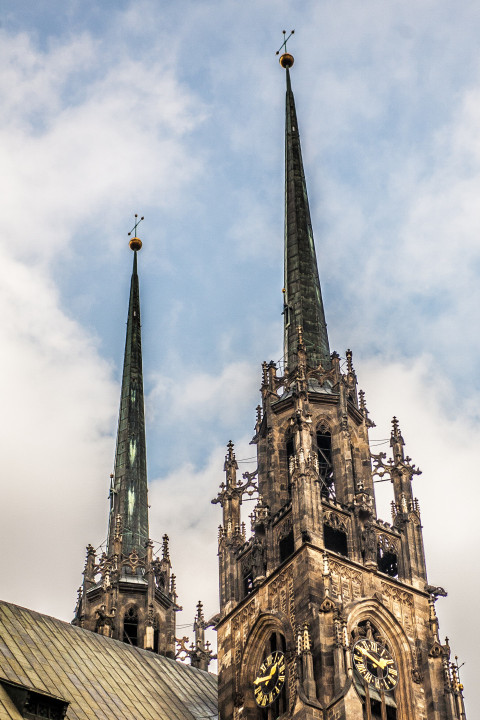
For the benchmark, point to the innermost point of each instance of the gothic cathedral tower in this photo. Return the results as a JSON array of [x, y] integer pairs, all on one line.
[[127, 593], [325, 612]]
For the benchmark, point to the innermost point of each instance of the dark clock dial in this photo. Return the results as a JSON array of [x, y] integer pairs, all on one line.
[[375, 664], [270, 679]]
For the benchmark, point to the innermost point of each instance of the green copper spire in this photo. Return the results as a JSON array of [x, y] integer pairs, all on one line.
[[129, 503], [303, 297]]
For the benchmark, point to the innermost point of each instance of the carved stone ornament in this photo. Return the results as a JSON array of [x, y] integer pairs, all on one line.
[[369, 543], [182, 652], [134, 561], [387, 544], [258, 559], [283, 529], [382, 467], [335, 521], [327, 605], [436, 592], [417, 676], [436, 650], [394, 593]]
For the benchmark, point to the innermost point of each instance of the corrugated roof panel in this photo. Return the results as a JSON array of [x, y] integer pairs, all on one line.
[[100, 678], [8, 711]]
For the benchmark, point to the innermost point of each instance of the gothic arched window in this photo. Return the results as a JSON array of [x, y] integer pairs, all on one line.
[[387, 558], [335, 534], [325, 464], [130, 626], [286, 545]]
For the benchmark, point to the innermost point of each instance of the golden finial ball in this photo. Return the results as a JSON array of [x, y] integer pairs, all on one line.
[[286, 60], [135, 243]]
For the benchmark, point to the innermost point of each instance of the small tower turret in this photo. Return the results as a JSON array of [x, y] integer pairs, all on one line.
[[128, 593], [130, 489], [406, 509]]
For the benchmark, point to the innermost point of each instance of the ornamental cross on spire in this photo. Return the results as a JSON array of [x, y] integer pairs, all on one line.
[[283, 46], [137, 223]]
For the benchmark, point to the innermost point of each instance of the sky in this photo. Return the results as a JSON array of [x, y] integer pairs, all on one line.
[[175, 111]]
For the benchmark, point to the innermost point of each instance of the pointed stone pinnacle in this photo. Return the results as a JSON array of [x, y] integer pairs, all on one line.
[[165, 548], [303, 297], [349, 356], [130, 499], [230, 456]]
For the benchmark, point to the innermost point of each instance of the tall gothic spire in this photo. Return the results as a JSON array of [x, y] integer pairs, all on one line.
[[129, 503], [316, 516], [303, 297], [128, 593]]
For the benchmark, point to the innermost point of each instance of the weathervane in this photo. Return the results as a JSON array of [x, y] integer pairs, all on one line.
[[137, 223], [283, 46], [135, 243]]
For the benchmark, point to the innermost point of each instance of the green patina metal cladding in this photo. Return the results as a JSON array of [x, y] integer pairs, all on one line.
[[130, 499], [303, 297]]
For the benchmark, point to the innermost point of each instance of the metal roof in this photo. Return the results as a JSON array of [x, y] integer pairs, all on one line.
[[98, 677]]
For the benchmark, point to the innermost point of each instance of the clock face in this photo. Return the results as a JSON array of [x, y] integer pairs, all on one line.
[[375, 664], [270, 679]]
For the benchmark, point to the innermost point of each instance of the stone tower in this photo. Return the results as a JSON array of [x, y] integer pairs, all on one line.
[[128, 593], [326, 611]]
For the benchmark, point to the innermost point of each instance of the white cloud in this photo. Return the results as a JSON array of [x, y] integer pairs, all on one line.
[[194, 395], [443, 442], [57, 444], [180, 507], [79, 144], [83, 128]]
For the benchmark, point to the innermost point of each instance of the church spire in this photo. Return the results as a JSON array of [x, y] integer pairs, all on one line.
[[323, 586], [303, 306], [128, 593], [129, 503]]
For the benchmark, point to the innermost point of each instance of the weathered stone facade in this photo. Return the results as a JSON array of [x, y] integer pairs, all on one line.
[[130, 598], [321, 572]]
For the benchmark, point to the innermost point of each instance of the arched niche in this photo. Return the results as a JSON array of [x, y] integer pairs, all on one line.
[[387, 555], [130, 626], [390, 628], [271, 631]]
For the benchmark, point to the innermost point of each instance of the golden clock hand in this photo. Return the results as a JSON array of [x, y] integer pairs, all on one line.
[[273, 670], [261, 679], [266, 677], [379, 663]]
